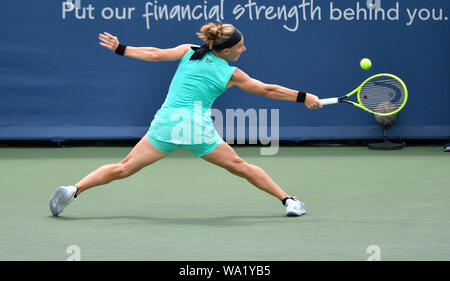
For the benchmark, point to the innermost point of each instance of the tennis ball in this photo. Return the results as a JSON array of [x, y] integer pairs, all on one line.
[[365, 64]]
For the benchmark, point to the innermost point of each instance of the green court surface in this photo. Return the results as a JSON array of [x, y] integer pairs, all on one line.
[[183, 208]]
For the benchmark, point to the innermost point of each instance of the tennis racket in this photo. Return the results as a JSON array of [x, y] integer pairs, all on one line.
[[382, 94]]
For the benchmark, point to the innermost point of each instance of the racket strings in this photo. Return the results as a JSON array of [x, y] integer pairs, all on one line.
[[382, 95]]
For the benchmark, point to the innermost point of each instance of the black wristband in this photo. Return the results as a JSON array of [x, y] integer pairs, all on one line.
[[301, 96], [120, 49]]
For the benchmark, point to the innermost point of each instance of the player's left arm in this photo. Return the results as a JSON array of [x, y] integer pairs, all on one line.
[[111, 42], [156, 54], [251, 85]]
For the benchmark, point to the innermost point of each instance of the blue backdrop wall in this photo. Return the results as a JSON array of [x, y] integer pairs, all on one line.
[[58, 83]]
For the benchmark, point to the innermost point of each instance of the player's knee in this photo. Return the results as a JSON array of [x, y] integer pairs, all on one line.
[[238, 166], [122, 170]]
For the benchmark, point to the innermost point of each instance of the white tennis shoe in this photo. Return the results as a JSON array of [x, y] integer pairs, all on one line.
[[62, 197], [294, 208]]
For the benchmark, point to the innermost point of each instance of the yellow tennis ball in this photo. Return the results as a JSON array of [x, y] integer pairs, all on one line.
[[365, 64]]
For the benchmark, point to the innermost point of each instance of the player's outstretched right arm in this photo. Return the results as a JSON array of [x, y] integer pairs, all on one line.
[[251, 85]]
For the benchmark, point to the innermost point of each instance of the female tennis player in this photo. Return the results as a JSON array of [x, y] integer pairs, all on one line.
[[203, 74]]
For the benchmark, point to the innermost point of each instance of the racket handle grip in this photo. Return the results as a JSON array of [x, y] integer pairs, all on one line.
[[329, 101]]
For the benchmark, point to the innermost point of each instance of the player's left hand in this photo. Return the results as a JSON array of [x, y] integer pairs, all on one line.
[[109, 41]]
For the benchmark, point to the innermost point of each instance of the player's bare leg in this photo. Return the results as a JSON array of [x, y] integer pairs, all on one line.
[[143, 154], [225, 157]]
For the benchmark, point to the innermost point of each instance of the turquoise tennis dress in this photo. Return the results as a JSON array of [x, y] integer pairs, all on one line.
[[184, 119]]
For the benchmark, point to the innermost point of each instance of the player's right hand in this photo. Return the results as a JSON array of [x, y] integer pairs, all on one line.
[[312, 101]]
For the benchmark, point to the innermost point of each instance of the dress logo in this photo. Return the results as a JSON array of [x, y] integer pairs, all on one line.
[[209, 61]]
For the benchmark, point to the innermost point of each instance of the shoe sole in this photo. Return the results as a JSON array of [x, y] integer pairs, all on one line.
[[56, 196], [294, 214]]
